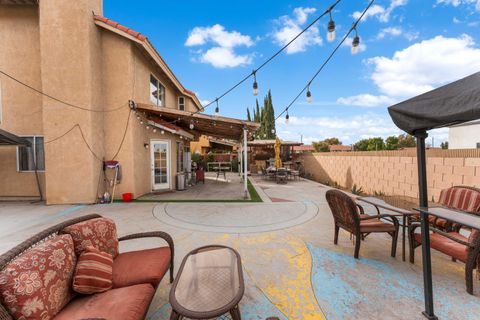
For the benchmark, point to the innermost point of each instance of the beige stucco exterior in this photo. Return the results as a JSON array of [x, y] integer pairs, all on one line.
[[57, 47]]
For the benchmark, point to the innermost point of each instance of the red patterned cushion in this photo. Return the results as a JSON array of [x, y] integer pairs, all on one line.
[[100, 233], [461, 198], [37, 284], [93, 273]]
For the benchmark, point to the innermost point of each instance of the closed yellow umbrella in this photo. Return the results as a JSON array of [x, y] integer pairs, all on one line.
[[278, 161]]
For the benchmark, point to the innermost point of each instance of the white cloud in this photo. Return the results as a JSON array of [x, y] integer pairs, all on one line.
[[289, 27], [391, 31], [222, 54], [425, 65], [381, 13], [366, 100], [456, 3], [219, 36], [220, 57]]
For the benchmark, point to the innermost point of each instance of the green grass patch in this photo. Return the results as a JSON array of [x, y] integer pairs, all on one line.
[[254, 197]]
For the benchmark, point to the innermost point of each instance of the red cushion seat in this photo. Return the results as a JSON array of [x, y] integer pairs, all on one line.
[[143, 266], [128, 303], [446, 245]]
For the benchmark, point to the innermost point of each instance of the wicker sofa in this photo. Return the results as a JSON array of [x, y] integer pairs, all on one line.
[[136, 275]]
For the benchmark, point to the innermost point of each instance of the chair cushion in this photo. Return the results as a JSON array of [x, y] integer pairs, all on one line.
[[128, 303], [100, 233], [461, 198], [143, 266], [93, 273], [446, 245], [375, 225], [37, 284]]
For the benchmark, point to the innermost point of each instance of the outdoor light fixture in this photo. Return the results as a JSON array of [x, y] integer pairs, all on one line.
[[255, 84], [154, 130], [355, 42], [217, 109], [287, 118], [309, 94], [147, 127], [191, 125], [146, 145], [162, 132], [331, 29]]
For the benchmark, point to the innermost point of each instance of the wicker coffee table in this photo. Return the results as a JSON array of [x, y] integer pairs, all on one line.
[[209, 284]]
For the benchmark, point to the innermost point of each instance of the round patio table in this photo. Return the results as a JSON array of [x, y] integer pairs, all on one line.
[[209, 284]]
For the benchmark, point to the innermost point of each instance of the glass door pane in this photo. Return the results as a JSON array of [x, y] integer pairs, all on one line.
[[160, 165]]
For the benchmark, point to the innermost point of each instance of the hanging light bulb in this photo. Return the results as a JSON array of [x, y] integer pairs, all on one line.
[[355, 42], [287, 118], [192, 126], [273, 130], [141, 122], [309, 94], [154, 130], [255, 84], [147, 127], [331, 29], [138, 117], [217, 109], [162, 132]]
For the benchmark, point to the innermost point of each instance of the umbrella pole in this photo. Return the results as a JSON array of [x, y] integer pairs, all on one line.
[[423, 197]]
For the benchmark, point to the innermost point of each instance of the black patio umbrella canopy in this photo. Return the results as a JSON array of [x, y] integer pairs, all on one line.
[[9, 139], [451, 104]]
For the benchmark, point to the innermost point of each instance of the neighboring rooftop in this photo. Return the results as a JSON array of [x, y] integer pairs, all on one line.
[[272, 142], [338, 148]]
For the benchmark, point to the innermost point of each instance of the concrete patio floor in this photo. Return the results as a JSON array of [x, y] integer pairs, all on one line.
[[292, 268], [229, 187]]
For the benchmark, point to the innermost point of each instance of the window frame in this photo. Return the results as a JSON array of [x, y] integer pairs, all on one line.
[[34, 153], [158, 86], [184, 103]]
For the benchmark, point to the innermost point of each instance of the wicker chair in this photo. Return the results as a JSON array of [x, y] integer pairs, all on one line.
[[56, 229], [346, 216]]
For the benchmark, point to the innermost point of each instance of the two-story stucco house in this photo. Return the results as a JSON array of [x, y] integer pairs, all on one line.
[[87, 69]]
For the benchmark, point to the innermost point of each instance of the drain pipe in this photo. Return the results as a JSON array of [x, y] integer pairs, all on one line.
[[245, 186]]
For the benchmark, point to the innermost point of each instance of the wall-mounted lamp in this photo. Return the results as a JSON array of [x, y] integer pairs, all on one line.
[[146, 145]]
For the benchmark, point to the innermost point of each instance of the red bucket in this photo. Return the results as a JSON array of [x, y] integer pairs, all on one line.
[[127, 197]]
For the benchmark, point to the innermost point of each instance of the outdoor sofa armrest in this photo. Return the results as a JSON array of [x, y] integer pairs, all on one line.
[[415, 225], [154, 234], [362, 211]]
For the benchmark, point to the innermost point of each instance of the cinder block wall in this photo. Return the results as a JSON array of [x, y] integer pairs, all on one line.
[[395, 172]]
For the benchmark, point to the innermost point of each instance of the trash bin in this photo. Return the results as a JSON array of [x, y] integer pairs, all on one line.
[[180, 181]]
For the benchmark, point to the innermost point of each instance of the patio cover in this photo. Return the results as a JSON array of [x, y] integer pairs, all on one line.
[[451, 104], [9, 139], [214, 126]]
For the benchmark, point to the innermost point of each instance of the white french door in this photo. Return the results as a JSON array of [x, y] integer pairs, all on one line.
[[160, 163]]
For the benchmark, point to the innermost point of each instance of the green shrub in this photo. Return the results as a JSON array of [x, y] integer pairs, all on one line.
[[357, 190]]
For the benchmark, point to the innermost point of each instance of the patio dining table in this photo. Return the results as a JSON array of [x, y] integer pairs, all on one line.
[[405, 214]]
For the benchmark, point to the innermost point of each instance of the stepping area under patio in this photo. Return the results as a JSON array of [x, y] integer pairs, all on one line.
[[292, 268]]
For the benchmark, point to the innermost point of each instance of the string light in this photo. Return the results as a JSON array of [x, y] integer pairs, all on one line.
[[255, 84], [309, 94], [217, 109], [273, 130], [192, 126], [147, 127], [287, 118], [331, 29], [154, 130], [162, 132], [355, 42]]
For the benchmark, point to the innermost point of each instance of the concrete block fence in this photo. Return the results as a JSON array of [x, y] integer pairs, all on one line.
[[395, 172]]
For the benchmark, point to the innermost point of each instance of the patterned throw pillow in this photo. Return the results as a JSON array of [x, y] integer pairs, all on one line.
[[100, 233], [37, 284], [94, 272]]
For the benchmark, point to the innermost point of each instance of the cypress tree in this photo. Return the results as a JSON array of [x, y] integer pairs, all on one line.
[[249, 118]]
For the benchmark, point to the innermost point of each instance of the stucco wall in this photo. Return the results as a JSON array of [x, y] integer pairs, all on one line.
[[465, 136], [21, 108], [395, 172]]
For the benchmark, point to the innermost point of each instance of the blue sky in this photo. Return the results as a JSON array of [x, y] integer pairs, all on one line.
[[408, 47]]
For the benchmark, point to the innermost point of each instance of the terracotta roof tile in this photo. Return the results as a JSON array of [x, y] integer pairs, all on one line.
[[118, 26], [189, 92]]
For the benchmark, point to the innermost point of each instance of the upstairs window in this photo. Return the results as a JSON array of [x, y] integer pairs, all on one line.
[[27, 156], [157, 92], [181, 103]]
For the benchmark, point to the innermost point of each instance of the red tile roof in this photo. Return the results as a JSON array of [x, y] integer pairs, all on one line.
[[118, 26], [303, 148]]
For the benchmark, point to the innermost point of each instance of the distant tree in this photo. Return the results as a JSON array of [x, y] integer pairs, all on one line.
[[324, 145], [375, 144], [266, 117], [361, 145], [333, 141], [249, 118], [320, 146], [391, 143], [406, 141], [444, 145]]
